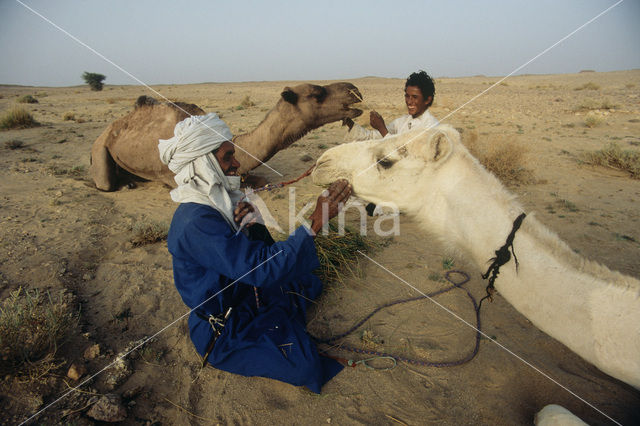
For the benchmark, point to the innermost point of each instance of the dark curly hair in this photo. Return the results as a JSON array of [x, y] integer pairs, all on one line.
[[422, 80]]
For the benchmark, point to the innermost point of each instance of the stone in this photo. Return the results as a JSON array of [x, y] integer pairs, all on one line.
[[92, 352], [76, 371], [108, 408], [117, 373]]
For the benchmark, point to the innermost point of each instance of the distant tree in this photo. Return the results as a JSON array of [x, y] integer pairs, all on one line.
[[94, 80]]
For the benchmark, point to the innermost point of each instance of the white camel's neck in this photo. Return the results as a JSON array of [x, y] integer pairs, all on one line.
[[579, 307]]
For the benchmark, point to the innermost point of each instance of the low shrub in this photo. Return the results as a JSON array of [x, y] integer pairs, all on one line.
[[588, 86], [14, 144], [27, 99], [17, 118], [502, 157], [247, 102], [33, 324], [615, 157], [149, 233], [592, 104], [67, 171], [592, 121]]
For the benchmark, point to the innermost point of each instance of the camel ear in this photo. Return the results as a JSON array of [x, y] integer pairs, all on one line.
[[289, 96], [439, 147]]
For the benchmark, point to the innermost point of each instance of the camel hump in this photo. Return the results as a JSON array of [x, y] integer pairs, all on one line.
[[145, 100], [187, 109]]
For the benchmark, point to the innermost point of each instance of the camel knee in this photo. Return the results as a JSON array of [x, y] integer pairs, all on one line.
[[103, 170]]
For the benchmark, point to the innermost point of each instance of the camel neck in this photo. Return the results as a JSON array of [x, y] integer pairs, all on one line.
[[259, 145]]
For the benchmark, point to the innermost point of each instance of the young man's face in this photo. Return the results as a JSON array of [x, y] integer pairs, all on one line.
[[225, 156], [416, 103]]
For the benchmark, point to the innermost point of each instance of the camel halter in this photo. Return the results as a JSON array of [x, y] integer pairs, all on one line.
[[502, 256]]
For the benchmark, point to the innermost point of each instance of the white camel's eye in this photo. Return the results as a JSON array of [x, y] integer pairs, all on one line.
[[385, 163]]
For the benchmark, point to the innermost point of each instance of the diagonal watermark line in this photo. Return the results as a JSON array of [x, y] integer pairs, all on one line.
[[144, 341], [458, 317], [101, 56], [423, 131]]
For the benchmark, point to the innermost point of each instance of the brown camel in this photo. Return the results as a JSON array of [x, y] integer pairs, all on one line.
[[131, 142]]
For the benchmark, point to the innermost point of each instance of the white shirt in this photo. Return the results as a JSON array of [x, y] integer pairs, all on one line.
[[397, 127]]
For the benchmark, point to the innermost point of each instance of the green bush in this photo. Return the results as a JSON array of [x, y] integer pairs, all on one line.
[[27, 99], [94, 80]]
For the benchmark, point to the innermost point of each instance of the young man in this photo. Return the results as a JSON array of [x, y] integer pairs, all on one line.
[[249, 294], [419, 91]]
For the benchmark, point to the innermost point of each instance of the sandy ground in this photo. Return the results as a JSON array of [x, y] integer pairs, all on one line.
[[57, 231]]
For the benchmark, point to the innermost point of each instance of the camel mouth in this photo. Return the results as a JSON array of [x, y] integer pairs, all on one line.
[[352, 112], [323, 176]]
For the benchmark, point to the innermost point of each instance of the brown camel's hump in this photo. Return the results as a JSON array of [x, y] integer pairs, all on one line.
[[185, 108]]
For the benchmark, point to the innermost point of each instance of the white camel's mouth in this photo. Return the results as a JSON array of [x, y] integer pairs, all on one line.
[[321, 176]]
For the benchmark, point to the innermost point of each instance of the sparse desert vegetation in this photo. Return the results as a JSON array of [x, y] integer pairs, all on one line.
[[149, 232], [593, 104], [62, 236], [593, 120], [27, 99], [588, 86], [502, 156], [615, 157], [33, 325], [17, 118]]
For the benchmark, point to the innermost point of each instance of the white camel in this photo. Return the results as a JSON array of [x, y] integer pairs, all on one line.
[[431, 177], [555, 415]]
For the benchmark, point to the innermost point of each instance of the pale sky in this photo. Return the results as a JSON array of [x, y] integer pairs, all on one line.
[[177, 42]]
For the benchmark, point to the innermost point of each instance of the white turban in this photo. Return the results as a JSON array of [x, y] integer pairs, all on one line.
[[198, 175]]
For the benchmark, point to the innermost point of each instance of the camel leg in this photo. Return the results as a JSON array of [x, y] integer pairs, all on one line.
[[103, 168]]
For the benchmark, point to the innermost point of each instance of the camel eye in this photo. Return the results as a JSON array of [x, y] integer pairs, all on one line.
[[385, 163]]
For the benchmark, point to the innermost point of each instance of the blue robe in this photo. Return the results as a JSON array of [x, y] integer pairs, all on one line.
[[269, 341]]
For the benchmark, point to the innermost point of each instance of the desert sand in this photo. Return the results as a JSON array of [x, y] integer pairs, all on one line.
[[57, 231]]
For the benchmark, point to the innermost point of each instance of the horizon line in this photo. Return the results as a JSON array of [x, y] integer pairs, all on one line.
[[584, 71]]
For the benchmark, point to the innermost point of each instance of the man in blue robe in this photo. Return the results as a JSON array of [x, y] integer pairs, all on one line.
[[248, 294]]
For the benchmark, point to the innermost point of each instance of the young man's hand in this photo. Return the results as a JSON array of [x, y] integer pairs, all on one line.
[[329, 204], [377, 122]]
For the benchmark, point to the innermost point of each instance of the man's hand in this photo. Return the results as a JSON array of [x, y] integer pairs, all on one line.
[[377, 122], [243, 209], [329, 204]]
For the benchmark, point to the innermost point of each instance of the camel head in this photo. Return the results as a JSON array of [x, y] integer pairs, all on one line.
[[409, 170], [311, 106]]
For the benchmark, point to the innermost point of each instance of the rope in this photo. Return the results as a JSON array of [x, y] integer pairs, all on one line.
[[272, 186], [502, 256], [383, 355]]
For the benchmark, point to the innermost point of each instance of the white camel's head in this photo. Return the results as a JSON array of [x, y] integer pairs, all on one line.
[[401, 169]]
